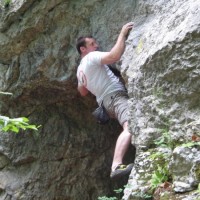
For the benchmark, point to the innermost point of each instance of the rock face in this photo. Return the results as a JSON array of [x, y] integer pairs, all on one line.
[[71, 156], [161, 64]]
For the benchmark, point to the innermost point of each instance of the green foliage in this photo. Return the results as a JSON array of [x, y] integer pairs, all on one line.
[[198, 189], [107, 198], [190, 144], [161, 173], [5, 3], [159, 176], [6, 93], [117, 191], [142, 195], [120, 190], [159, 156], [158, 92], [15, 124], [165, 140]]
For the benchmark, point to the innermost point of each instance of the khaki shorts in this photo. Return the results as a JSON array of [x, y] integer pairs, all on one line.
[[116, 104]]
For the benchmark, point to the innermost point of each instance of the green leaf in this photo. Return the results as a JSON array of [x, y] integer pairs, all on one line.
[[25, 119], [160, 141], [32, 127], [107, 198], [6, 93], [15, 124], [15, 129], [119, 190], [190, 144]]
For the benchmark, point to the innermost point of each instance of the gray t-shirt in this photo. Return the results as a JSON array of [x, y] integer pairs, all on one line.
[[97, 78]]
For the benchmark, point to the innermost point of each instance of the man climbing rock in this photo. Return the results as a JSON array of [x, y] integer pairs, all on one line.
[[95, 76]]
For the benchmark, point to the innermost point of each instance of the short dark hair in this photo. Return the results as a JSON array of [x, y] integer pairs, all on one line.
[[81, 42]]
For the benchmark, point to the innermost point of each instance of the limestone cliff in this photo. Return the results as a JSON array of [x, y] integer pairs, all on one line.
[[71, 157]]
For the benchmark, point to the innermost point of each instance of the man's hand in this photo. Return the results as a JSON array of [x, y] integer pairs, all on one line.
[[116, 52], [126, 28]]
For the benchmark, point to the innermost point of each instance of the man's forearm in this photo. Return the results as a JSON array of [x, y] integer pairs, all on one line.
[[116, 52], [118, 49]]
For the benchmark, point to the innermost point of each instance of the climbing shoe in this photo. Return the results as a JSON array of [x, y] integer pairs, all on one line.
[[121, 170]]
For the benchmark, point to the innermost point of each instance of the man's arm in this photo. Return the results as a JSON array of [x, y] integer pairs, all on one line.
[[83, 91], [116, 52]]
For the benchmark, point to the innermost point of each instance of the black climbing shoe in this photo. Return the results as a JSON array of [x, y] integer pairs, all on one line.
[[121, 170]]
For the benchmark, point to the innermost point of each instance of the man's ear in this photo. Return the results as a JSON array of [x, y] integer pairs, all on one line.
[[82, 49]]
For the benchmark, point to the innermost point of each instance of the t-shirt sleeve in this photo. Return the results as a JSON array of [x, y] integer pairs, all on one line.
[[81, 78], [95, 57]]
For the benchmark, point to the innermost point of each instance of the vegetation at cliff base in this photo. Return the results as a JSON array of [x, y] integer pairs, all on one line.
[[15, 124]]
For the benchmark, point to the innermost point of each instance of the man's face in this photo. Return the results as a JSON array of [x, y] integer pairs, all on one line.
[[91, 45]]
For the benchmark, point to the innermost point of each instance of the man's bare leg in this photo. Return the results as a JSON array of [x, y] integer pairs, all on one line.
[[121, 147]]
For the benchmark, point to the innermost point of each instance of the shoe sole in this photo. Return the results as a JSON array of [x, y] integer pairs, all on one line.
[[120, 173]]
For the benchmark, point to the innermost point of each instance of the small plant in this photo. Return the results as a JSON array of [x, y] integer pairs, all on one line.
[[159, 156], [6, 93], [198, 189], [117, 191], [6, 3], [191, 144], [107, 198], [159, 176], [195, 141], [164, 140], [15, 124], [142, 195], [158, 92]]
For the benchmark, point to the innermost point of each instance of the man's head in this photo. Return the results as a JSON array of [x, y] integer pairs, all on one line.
[[85, 45]]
